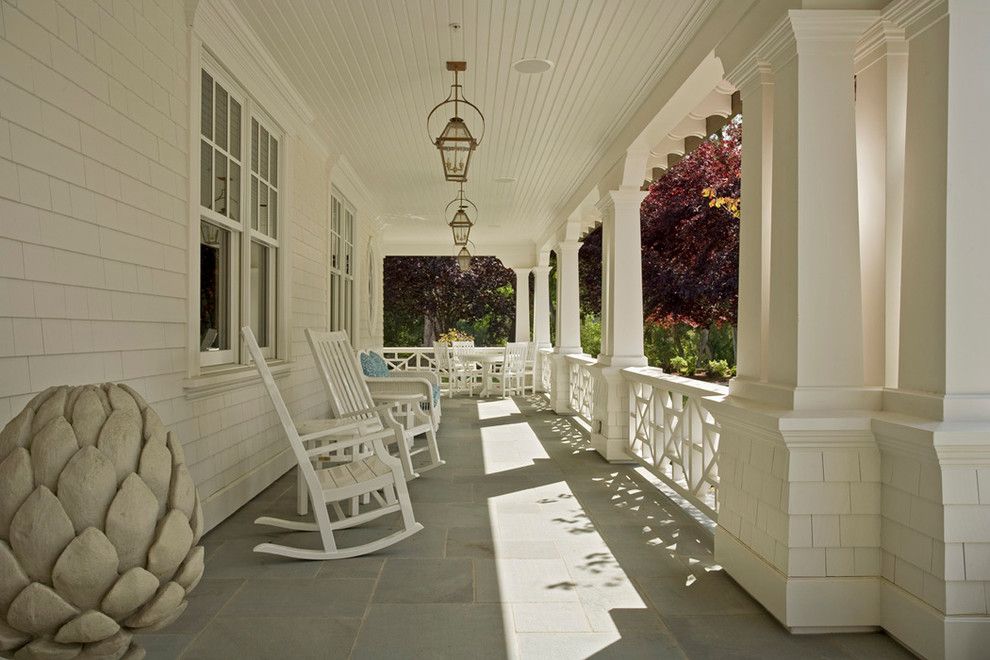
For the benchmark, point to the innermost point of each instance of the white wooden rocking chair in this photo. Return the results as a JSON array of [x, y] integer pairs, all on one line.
[[373, 474], [349, 396]]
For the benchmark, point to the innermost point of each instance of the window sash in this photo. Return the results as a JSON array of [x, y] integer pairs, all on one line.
[[231, 212]]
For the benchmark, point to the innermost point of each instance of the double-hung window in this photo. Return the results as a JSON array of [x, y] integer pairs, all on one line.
[[238, 251], [341, 265]]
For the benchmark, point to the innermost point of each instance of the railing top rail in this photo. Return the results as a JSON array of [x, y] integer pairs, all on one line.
[[408, 349], [582, 358], [655, 376]]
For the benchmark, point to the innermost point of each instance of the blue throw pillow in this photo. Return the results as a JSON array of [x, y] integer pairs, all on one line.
[[373, 365]]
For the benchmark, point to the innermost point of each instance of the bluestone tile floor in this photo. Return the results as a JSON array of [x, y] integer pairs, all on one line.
[[533, 547]]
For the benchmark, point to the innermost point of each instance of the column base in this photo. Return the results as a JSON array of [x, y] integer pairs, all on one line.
[[852, 604], [610, 416], [789, 397]]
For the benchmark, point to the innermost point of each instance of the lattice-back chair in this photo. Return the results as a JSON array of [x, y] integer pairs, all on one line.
[[441, 353], [384, 381], [370, 474], [530, 375], [349, 396], [511, 377], [466, 371]]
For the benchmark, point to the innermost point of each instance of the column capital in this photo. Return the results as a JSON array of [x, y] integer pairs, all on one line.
[[568, 246], [541, 270], [522, 272], [814, 26], [624, 197]]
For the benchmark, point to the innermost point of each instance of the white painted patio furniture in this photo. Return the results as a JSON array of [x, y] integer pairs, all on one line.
[[441, 353], [530, 375], [350, 397], [510, 375], [467, 370], [368, 473], [383, 381]]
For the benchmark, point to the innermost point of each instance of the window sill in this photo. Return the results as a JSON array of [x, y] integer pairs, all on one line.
[[226, 378]]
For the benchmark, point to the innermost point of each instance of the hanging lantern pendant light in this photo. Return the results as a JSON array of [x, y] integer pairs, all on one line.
[[464, 260], [456, 143], [461, 224]]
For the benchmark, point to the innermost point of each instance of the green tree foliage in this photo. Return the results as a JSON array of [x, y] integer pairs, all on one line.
[[431, 295]]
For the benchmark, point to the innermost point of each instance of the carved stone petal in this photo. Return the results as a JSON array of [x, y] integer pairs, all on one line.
[[87, 487], [197, 520], [120, 399], [51, 450], [138, 399], [46, 649], [162, 605], [111, 648], [134, 652], [120, 440], [86, 569], [153, 427], [131, 522], [174, 446], [168, 619], [133, 589], [12, 576], [52, 407], [17, 433], [182, 495], [192, 570], [39, 610], [16, 483], [171, 545], [11, 638], [88, 416], [92, 626], [39, 533], [155, 468]]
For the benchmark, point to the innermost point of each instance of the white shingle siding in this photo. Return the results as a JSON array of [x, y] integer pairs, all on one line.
[[94, 107]]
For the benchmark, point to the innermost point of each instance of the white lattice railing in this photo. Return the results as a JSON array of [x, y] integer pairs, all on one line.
[[582, 385], [406, 358], [672, 433]]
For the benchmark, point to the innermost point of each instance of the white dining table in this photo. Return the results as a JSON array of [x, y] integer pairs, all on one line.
[[487, 357]]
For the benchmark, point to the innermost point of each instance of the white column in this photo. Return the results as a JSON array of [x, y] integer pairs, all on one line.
[[568, 298], [541, 306], [622, 320], [622, 284], [755, 82], [568, 323], [522, 303]]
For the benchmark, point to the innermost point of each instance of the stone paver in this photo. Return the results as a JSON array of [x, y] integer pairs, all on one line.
[[534, 548]]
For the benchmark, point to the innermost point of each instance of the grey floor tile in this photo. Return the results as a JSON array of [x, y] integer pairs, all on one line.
[[163, 645], [236, 558], [745, 636], [408, 580], [249, 638], [294, 597], [708, 593], [654, 644], [369, 567], [470, 542], [209, 596], [433, 631]]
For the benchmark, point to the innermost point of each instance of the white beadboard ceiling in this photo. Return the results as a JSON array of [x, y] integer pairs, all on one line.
[[372, 69]]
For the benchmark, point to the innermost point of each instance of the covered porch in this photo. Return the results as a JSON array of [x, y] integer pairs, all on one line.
[[533, 548]]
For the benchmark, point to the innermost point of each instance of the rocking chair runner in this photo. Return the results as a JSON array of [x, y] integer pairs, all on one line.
[[376, 474], [350, 397]]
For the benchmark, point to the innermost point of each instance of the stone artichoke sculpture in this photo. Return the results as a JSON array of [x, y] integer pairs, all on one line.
[[99, 521]]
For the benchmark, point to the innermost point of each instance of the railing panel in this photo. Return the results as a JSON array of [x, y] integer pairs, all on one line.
[[582, 385], [546, 368], [674, 435], [405, 358]]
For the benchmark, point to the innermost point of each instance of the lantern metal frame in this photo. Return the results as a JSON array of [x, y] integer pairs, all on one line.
[[457, 99], [462, 206]]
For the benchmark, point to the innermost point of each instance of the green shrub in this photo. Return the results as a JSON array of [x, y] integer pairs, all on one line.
[[680, 365], [720, 369], [591, 335], [454, 334]]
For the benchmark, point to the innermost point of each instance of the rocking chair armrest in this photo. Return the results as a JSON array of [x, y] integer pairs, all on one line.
[[411, 375], [397, 398], [349, 442], [374, 410], [344, 427]]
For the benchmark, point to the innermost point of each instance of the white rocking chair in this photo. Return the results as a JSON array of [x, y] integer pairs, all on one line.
[[511, 377], [375, 474], [350, 397]]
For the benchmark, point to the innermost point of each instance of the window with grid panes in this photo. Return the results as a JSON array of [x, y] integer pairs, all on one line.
[[341, 265], [237, 260]]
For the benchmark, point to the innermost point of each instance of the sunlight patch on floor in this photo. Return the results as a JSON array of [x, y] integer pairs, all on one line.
[[497, 408], [556, 575], [510, 447]]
